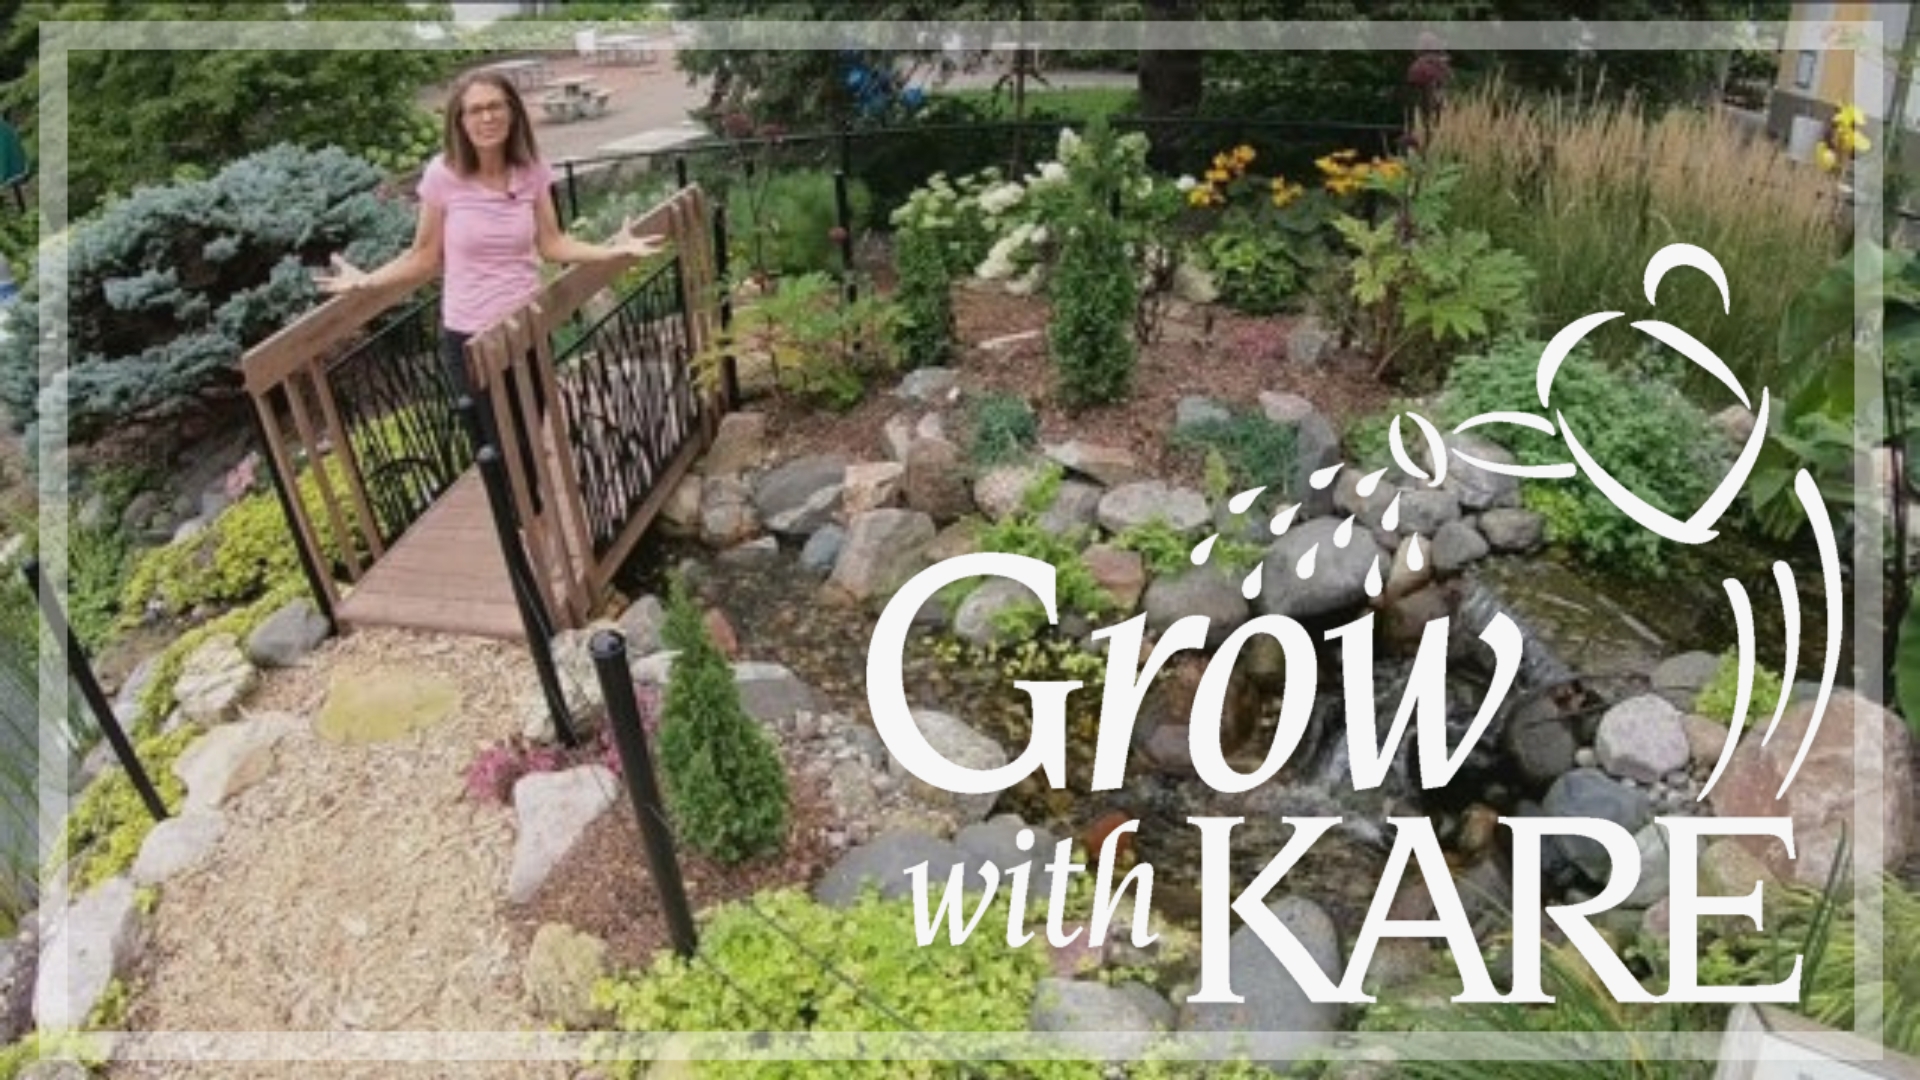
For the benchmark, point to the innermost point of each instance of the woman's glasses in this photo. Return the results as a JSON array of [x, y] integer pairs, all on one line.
[[485, 108]]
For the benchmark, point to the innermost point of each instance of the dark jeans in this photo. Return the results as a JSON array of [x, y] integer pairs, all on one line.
[[453, 359]]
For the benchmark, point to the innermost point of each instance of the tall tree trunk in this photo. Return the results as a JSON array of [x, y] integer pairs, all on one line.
[[1169, 79]]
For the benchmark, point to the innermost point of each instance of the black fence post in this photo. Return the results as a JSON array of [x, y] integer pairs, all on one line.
[[680, 170], [80, 669], [309, 560], [573, 195], [533, 614], [729, 369], [843, 213], [609, 650]]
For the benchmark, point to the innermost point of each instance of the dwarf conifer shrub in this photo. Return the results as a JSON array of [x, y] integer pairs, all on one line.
[[171, 285], [925, 328], [724, 782], [1094, 293]]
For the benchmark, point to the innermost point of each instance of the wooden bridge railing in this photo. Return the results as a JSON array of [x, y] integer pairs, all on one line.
[[357, 418], [597, 433], [362, 428]]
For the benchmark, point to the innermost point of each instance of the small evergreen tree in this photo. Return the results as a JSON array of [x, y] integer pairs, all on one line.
[[724, 782], [1094, 293], [924, 332]]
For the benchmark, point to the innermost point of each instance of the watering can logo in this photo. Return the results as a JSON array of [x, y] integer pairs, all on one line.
[[1697, 528]]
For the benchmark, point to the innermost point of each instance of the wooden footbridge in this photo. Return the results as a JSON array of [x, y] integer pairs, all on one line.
[[586, 413]]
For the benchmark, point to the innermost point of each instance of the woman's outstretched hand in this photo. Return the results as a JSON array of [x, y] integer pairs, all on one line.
[[346, 277], [632, 245]]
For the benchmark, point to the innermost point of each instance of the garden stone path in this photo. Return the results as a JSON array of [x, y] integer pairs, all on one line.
[[356, 888]]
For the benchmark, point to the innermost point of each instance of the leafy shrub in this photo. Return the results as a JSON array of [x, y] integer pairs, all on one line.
[[1004, 426], [1094, 295], [169, 286], [109, 823], [1419, 283], [726, 786], [1254, 270], [950, 212], [1167, 551], [1075, 587], [1644, 432], [924, 330], [820, 345], [1715, 701]]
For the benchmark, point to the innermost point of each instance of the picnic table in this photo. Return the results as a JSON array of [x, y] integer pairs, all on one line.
[[635, 48], [574, 97]]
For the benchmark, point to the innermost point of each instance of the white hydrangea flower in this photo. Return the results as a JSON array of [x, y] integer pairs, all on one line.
[[1069, 142], [1053, 172]]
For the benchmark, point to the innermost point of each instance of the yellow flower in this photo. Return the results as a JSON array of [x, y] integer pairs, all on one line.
[[1222, 161], [1827, 159], [1243, 153], [1218, 176], [1284, 193], [1200, 196], [1849, 117], [1344, 155], [1854, 142]]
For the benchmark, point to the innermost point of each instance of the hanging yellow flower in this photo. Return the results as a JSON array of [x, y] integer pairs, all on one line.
[[1849, 116], [1826, 158]]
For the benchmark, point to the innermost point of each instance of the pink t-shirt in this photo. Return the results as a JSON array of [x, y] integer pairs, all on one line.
[[491, 259]]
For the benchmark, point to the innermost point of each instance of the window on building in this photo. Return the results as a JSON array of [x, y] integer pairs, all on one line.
[[1803, 69]]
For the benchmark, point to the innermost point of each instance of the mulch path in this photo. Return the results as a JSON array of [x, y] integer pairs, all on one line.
[[1205, 351]]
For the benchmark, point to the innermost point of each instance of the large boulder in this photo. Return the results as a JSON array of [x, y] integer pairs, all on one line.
[[229, 759], [1105, 1012], [1642, 738], [552, 811], [960, 743], [1105, 465], [1338, 578], [213, 681], [1203, 591], [802, 495], [91, 943], [287, 635], [1833, 779], [1131, 505], [1274, 1003], [883, 865], [936, 480], [883, 549], [1584, 793]]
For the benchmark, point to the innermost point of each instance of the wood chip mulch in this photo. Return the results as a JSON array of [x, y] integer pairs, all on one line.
[[1198, 352], [604, 886]]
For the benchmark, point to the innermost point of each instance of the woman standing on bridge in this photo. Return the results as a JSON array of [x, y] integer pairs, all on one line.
[[487, 220]]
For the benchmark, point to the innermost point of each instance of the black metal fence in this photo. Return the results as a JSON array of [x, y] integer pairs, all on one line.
[[888, 163], [396, 403], [627, 391]]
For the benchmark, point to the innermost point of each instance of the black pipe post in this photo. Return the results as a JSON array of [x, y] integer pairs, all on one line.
[[843, 214], [81, 671], [680, 170], [729, 369], [309, 560], [573, 196], [609, 650], [533, 616]]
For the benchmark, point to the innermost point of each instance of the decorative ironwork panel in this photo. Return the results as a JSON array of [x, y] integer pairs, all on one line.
[[627, 389], [396, 402]]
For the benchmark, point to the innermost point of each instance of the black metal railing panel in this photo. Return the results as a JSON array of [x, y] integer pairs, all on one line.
[[396, 401], [627, 391]]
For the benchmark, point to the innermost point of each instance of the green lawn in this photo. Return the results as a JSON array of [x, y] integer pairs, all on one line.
[[1069, 103]]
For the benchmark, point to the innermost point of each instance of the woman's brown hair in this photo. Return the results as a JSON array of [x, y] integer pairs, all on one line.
[[458, 149]]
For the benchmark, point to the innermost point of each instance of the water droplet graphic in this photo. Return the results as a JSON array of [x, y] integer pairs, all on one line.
[[1373, 577], [1250, 588], [1205, 549], [1390, 520], [1414, 559], [1343, 535], [1325, 476], [1282, 519], [1369, 482], [1305, 569], [1239, 503]]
